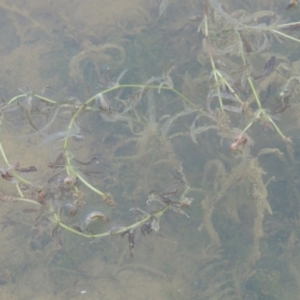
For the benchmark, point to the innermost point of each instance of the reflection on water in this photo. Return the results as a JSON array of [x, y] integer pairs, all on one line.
[[142, 191]]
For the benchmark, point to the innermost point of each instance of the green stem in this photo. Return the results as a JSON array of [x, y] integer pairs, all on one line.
[[4, 155], [156, 214], [254, 92], [286, 35], [89, 185], [28, 201], [15, 98], [276, 127], [287, 25]]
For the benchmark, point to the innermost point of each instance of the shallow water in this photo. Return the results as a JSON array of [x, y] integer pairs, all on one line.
[[75, 48]]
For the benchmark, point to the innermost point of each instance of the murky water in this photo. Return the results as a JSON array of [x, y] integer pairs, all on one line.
[[239, 237]]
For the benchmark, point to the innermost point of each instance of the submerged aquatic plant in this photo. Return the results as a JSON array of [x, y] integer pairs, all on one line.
[[68, 180], [140, 132]]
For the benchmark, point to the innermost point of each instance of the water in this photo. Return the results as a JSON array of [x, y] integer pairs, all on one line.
[[233, 242]]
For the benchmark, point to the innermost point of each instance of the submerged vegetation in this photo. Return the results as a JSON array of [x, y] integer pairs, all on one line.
[[205, 148]]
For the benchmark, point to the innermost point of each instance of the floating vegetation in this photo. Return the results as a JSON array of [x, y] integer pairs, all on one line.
[[123, 152]]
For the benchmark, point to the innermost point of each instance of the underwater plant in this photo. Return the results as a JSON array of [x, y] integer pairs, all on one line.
[[127, 145]]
